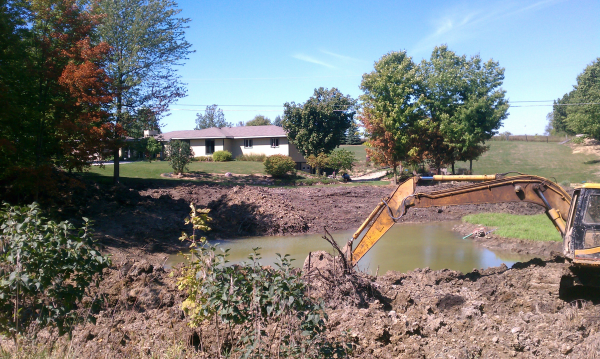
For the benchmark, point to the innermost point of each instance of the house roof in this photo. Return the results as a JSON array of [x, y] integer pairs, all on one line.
[[224, 132]]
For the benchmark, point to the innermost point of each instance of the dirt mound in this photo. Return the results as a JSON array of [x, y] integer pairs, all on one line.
[[257, 210], [528, 311]]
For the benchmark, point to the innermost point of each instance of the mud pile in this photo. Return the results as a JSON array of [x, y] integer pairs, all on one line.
[[530, 310]]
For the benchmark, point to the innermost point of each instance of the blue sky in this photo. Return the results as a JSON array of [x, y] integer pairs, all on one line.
[[261, 54]]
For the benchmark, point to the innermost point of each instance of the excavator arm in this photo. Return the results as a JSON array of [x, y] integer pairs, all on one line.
[[521, 188]]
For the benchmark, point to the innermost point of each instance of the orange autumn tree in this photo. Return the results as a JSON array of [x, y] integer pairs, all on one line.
[[61, 124], [382, 147]]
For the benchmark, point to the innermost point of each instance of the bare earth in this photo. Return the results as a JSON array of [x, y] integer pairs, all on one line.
[[531, 310]]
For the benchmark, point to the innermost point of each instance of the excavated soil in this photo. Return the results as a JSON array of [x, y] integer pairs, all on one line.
[[534, 309]]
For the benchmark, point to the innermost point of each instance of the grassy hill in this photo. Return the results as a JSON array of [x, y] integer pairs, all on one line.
[[549, 160]]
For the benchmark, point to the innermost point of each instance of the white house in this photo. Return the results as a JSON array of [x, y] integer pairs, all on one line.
[[243, 140]]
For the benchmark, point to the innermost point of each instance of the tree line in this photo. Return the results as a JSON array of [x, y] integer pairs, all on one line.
[[75, 77], [578, 111], [439, 111]]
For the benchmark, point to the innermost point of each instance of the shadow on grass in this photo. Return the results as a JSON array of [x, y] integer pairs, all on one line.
[[591, 162]]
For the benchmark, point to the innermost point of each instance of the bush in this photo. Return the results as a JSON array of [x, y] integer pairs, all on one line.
[[242, 301], [221, 156], [318, 162], [203, 159], [252, 157], [280, 165], [578, 140], [180, 155], [45, 271], [341, 159]]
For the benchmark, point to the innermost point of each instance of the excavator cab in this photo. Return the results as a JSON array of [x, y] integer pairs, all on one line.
[[582, 237]]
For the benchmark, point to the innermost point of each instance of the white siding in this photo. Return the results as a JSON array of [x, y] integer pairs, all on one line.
[[199, 146], [260, 146]]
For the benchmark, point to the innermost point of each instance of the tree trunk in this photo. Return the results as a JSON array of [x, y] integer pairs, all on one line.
[[470, 167], [395, 175], [116, 149], [453, 167]]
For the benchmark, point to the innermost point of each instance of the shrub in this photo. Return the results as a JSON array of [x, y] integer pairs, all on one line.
[[253, 157], [341, 159], [578, 140], [257, 312], [318, 162], [203, 159], [45, 270], [221, 156], [180, 155], [280, 165]]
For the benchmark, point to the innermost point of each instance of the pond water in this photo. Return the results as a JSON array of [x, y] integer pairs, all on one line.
[[404, 247]]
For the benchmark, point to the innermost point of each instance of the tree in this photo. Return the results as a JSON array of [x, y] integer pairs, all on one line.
[[259, 120], [584, 117], [143, 119], [465, 103], [277, 122], [213, 117], [382, 147], [392, 114], [55, 119], [240, 124], [180, 155], [353, 135], [318, 162], [147, 41], [318, 125], [152, 148], [559, 115], [341, 159]]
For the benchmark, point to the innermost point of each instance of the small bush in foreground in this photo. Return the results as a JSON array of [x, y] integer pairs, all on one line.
[[256, 312], [180, 155], [45, 270], [280, 165], [222, 156], [252, 157], [341, 159]]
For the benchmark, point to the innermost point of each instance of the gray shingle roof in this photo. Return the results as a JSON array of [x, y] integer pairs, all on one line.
[[225, 132]]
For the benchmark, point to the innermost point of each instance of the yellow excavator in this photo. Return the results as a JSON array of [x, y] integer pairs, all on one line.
[[577, 218]]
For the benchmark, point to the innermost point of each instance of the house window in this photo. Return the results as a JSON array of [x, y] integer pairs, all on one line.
[[210, 146], [274, 142], [248, 143]]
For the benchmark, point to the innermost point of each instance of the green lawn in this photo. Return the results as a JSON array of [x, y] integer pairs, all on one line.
[[154, 169], [536, 228], [549, 160]]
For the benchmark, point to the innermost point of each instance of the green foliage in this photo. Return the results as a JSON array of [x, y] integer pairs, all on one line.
[[352, 135], [320, 123], [222, 156], [585, 118], [213, 117], [578, 140], [341, 159], [259, 312], [536, 227], [280, 165], [203, 159], [45, 270], [180, 155], [318, 162], [253, 157], [259, 120], [153, 147], [147, 40], [278, 122]]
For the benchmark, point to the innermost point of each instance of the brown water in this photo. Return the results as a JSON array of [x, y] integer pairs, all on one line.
[[404, 247]]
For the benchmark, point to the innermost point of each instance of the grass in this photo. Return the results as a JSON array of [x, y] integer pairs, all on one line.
[[537, 227], [154, 169], [549, 160]]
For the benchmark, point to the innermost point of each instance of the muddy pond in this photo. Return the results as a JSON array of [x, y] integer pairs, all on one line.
[[404, 247]]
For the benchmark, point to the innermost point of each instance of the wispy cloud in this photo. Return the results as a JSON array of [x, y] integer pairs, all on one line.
[[341, 57], [459, 24], [312, 60]]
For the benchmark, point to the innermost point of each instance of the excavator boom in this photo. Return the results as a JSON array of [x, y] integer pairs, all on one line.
[[521, 188]]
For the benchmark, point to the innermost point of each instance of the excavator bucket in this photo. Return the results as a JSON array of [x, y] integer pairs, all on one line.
[[381, 220]]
